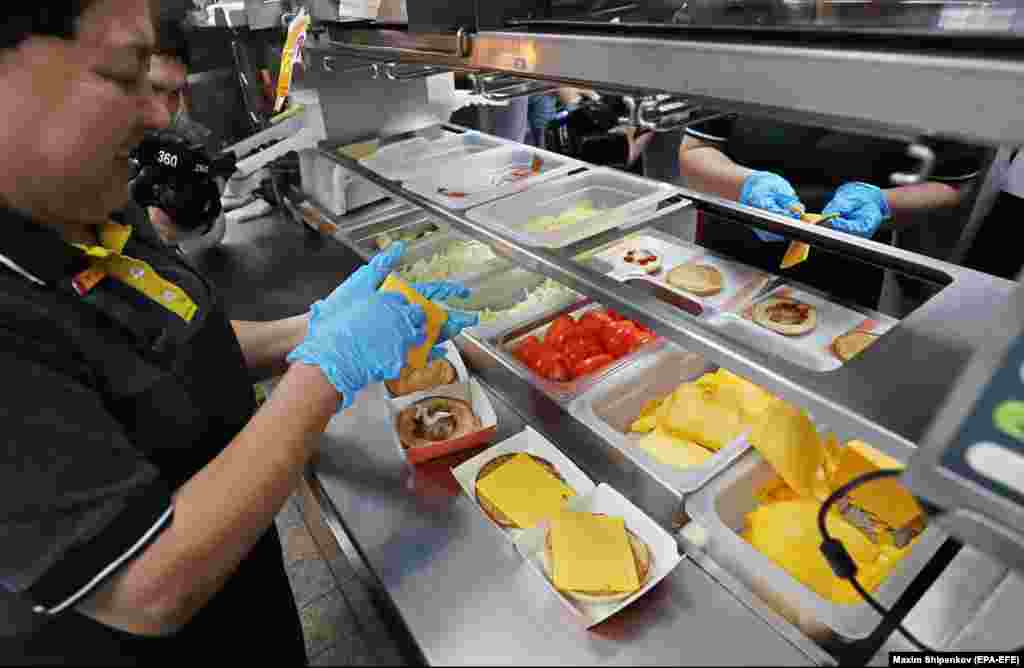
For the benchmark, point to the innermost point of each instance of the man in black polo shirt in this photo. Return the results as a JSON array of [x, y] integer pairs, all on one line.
[[138, 482], [783, 167]]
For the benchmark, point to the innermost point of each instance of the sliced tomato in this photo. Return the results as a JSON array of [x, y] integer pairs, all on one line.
[[580, 349], [551, 365], [594, 321], [561, 329], [620, 338], [644, 336], [591, 364], [528, 350], [614, 315]]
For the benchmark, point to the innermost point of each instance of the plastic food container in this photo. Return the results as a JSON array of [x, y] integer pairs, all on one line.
[[406, 159], [505, 291], [505, 343], [721, 506], [613, 405], [623, 201], [812, 350], [468, 182], [446, 243]]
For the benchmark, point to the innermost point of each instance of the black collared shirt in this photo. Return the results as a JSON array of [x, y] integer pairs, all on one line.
[[111, 403]]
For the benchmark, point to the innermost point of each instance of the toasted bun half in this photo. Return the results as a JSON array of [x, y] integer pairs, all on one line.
[[774, 313], [466, 422], [700, 279], [435, 374], [642, 557], [849, 345], [492, 511]]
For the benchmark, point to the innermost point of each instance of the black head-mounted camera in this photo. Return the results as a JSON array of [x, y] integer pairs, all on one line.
[[179, 177]]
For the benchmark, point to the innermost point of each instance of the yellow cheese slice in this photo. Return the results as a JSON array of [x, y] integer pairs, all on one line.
[[524, 491], [673, 451], [591, 553], [648, 418], [886, 499], [436, 318], [787, 533], [754, 398], [708, 415], [785, 436]]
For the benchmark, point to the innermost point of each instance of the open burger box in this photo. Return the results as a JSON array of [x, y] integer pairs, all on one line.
[[531, 443], [461, 373], [739, 281], [604, 499], [467, 389], [812, 350]]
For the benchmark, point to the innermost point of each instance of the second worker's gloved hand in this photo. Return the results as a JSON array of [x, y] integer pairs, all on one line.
[[457, 320], [861, 207], [362, 343], [771, 192]]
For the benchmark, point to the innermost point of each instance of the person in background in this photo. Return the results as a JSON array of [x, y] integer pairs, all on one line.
[[138, 481], [168, 75], [541, 110], [995, 248], [788, 169]]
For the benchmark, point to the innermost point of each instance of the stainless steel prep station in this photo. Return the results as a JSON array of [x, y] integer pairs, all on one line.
[[455, 587]]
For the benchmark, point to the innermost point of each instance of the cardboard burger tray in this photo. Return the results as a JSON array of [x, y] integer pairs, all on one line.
[[532, 443], [454, 358], [606, 500], [470, 392]]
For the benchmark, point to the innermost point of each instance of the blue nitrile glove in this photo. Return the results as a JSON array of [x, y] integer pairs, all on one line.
[[771, 192], [362, 343], [457, 320], [367, 279], [861, 208]]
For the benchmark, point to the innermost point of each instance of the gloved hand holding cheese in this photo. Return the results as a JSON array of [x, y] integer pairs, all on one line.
[[436, 318]]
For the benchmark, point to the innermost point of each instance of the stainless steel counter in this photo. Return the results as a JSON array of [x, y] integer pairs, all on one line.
[[451, 580], [461, 590]]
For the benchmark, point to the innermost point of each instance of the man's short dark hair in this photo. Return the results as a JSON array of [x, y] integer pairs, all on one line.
[[51, 18], [171, 41]]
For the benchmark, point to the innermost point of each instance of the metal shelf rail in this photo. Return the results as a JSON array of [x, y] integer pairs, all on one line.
[[890, 393]]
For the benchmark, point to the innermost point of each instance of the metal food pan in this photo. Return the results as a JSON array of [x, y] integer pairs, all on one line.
[[614, 404], [504, 291], [505, 343], [438, 243], [365, 238], [720, 508], [620, 200]]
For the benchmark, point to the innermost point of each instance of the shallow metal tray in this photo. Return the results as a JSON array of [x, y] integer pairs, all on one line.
[[721, 506], [612, 405], [503, 343]]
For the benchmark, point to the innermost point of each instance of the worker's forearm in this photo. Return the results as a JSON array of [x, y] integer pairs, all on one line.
[[266, 345], [708, 170], [909, 204], [221, 512]]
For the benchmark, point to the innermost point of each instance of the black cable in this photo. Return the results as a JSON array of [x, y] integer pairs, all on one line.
[[840, 560]]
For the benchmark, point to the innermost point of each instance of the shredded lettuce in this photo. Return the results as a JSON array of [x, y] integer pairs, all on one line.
[[458, 259], [546, 295], [583, 210]]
